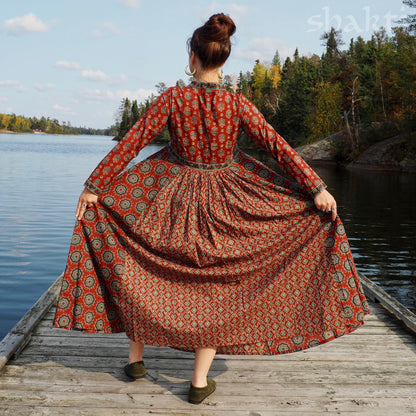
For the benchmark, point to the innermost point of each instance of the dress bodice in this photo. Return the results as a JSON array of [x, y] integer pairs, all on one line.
[[204, 120], [203, 123]]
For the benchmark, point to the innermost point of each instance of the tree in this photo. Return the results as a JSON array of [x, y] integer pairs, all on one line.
[[135, 112], [125, 118], [161, 87], [228, 83], [325, 118], [276, 59], [330, 59], [299, 78], [43, 124], [244, 84], [410, 20]]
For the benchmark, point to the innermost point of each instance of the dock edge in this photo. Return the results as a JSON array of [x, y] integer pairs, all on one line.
[[393, 306], [16, 340]]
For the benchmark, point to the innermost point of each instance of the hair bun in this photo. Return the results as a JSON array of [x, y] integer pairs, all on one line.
[[211, 42], [222, 24]]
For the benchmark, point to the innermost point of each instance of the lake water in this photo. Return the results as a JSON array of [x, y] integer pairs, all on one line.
[[41, 177]]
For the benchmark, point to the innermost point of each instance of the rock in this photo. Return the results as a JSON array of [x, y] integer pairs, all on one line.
[[394, 153], [324, 150], [390, 154]]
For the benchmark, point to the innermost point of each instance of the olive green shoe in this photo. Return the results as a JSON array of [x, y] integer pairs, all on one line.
[[135, 370], [198, 394]]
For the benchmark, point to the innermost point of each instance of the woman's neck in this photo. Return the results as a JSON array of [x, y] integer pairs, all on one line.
[[207, 76]]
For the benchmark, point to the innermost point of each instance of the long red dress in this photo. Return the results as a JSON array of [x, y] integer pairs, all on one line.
[[202, 245]]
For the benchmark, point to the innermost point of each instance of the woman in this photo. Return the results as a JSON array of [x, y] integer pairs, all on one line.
[[201, 247]]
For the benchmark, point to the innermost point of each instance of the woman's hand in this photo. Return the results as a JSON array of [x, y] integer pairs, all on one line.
[[86, 200], [324, 201]]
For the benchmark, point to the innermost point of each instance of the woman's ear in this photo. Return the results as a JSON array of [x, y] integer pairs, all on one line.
[[192, 59]]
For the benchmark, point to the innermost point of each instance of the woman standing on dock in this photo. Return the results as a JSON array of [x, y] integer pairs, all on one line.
[[201, 247]]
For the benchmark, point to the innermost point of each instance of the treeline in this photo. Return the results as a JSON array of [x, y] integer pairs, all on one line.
[[21, 124], [311, 97]]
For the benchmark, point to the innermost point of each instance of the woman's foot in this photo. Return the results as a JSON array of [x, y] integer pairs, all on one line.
[[135, 370], [198, 394]]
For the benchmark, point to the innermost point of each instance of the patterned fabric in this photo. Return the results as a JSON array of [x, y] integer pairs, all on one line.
[[202, 245]]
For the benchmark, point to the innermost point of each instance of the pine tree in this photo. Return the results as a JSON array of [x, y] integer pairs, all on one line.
[[299, 78], [135, 112], [243, 85], [276, 59], [410, 20], [125, 119], [330, 59]]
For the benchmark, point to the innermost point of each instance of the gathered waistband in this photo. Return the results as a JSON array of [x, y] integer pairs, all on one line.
[[203, 166]]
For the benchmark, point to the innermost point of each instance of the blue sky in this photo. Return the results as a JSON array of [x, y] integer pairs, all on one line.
[[75, 60]]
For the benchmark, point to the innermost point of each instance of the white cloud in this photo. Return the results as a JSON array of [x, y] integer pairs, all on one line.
[[93, 95], [14, 84], [134, 4], [25, 24], [91, 75], [97, 95], [100, 76], [45, 87], [9, 83], [67, 65], [264, 50], [63, 110], [140, 95]]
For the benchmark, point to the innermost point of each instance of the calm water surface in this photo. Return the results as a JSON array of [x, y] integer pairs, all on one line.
[[41, 177]]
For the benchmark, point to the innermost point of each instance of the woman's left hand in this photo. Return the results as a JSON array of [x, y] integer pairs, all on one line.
[[324, 201], [86, 199]]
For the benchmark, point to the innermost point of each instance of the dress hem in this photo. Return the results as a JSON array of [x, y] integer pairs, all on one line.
[[267, 347]]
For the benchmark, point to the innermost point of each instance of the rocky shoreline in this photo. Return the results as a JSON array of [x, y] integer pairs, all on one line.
[[392, 154]]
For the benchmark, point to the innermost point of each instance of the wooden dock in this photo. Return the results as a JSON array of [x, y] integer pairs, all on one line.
[[53, 372]]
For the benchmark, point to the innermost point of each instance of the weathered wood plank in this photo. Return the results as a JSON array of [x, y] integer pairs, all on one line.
[[224, 375], [87, 342], [19, 336], [169, 400], [239, 388], [210, 411], [111, 364], [376, 294]]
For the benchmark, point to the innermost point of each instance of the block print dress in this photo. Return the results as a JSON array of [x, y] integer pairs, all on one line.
[[202, 245]]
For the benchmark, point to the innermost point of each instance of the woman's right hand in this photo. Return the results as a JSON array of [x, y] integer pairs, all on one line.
[[86, 200]]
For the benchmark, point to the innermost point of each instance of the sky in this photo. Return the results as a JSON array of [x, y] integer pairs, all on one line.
[[75, 60]]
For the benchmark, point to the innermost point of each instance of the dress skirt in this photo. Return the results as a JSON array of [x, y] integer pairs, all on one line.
[[190, 255]]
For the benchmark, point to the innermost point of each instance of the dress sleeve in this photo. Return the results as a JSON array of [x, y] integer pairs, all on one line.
[[140, 135], [256, 127]]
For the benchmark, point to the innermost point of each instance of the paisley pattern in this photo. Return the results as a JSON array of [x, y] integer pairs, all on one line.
[[202, 245]]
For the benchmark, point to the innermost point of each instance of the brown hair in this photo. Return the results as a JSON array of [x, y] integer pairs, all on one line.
[[211, 42]]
